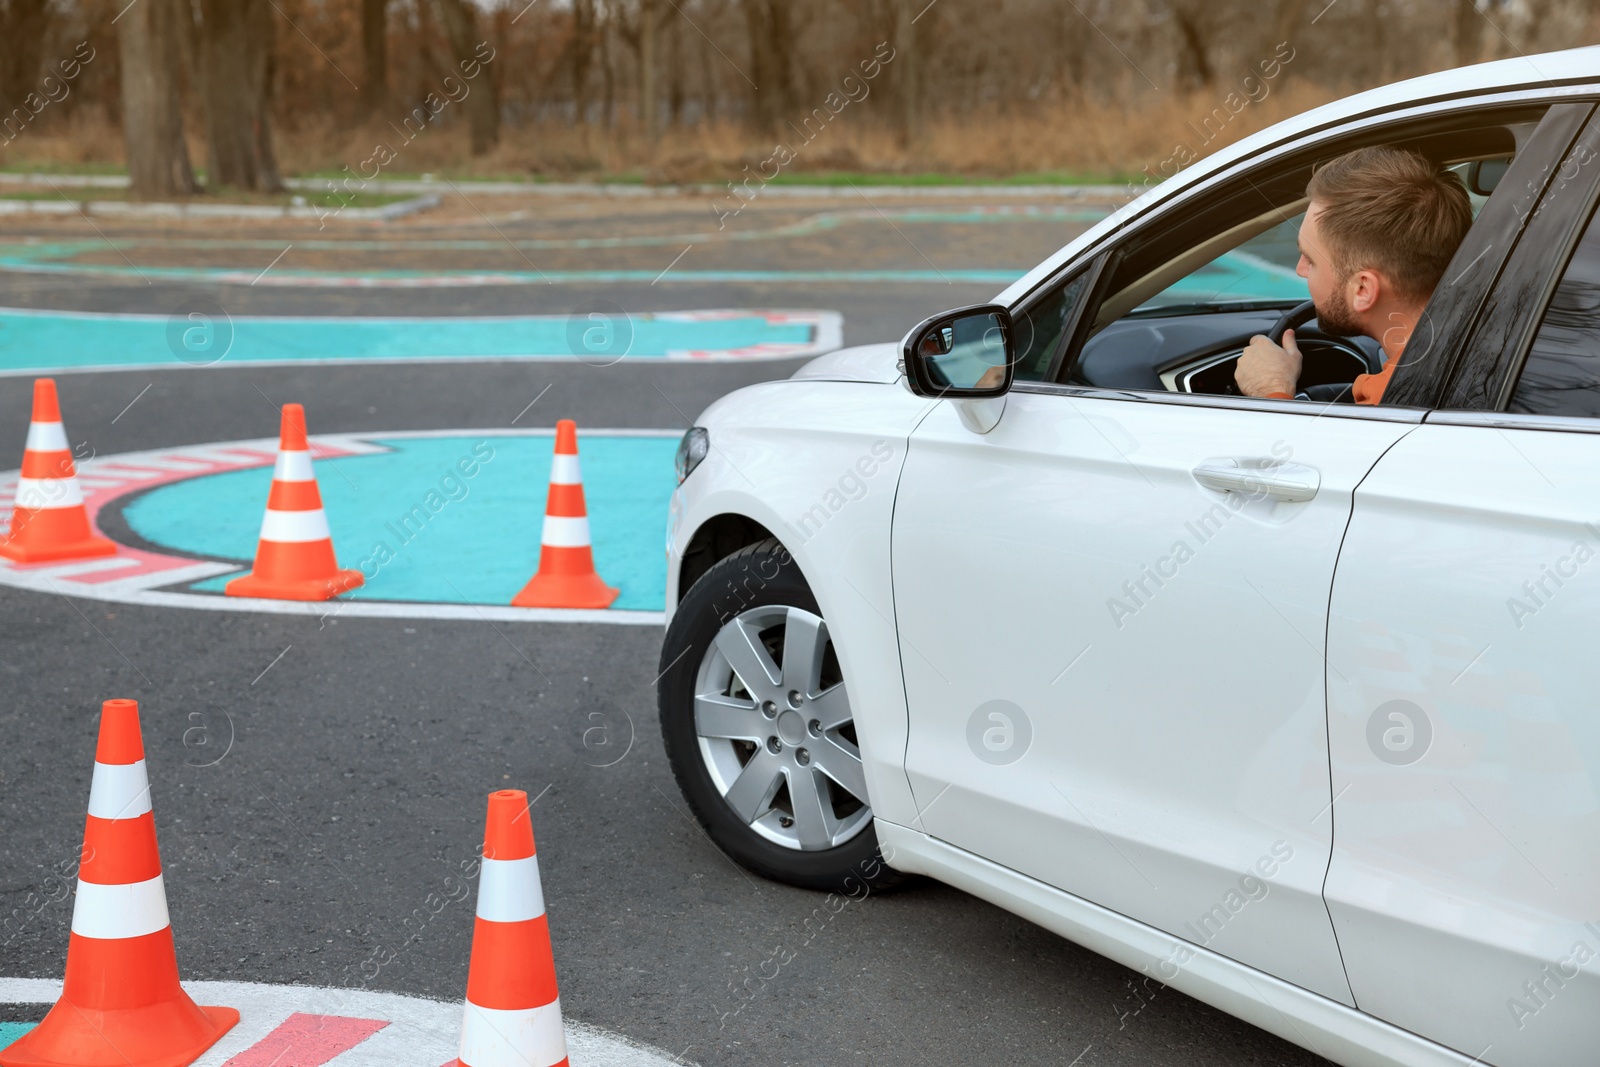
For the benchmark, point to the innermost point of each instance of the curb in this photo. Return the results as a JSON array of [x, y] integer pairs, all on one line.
[[213, 211]]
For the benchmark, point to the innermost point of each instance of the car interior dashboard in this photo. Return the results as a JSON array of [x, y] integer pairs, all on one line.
[[1181, 350]]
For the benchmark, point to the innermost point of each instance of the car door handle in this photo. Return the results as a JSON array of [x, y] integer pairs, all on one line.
[[1259, 477]]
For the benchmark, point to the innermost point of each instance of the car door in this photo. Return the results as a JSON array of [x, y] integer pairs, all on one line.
[[1114, 669], [1462, 672], [1114, 661]]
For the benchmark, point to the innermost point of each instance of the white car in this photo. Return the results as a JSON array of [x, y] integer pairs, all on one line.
[[1292, 705]]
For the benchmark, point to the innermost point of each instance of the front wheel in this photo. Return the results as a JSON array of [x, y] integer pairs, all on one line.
[[759, 730]]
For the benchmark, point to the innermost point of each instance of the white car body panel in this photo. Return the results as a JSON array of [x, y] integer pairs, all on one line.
[[864, 363], [799, 480], [1178, 766], [1330, 1029], [1482, 856]]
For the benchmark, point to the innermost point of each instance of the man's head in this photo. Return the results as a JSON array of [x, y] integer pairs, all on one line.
[[1380, 230]]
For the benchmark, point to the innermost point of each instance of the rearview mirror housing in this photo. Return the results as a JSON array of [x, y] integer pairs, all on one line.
[[963, 354]]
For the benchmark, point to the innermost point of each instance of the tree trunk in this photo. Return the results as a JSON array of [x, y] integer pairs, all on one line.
[[473, 52], [908, 74], [582, 57], [1194, 64], [22, 29], [1466, 32], [375, 54], [152, 111], [675, 79], [608, 79], [647, 68], [236, 60], [1285, 20], [770, 53]]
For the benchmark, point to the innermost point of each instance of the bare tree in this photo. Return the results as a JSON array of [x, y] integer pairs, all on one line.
[[152, 108], [22, 29], [908, 69], [581, 55], [1192, 21], [236, 46], [1286, 16], [771, 53], [374, 54], [647, 67], [471, 52]]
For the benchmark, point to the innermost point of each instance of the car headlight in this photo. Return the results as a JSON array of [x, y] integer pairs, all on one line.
[[694, 447]]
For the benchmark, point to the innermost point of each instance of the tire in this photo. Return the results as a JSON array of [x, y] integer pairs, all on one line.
[[773, 773]]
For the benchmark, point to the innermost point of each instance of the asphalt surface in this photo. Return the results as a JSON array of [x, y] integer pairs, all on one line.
[[318, 788]]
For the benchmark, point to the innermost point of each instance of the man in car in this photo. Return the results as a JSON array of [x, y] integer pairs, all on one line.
[[1380, 230]]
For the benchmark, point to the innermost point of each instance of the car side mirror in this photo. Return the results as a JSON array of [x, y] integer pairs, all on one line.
[[967, 354], [1483, 175]]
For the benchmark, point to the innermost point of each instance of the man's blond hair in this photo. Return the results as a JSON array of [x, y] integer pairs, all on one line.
[[1393, 211]]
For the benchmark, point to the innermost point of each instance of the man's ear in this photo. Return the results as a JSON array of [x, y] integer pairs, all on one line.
[[1365, 289]]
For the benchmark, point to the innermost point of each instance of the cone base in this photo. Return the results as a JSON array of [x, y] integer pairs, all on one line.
[[172, 1034], [295, 589], [566, 591], [87, 548]]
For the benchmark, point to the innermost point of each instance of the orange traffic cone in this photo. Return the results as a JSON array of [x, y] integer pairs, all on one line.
[[294, 560], [513, 1014], [121, 1005], [566, 577], [50, 522]]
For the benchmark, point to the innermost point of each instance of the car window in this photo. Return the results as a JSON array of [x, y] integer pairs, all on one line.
[[1561, 375], [1040, 326], [1261, 268]]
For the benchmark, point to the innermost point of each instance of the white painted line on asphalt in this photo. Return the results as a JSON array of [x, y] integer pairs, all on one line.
[[421, 1033]]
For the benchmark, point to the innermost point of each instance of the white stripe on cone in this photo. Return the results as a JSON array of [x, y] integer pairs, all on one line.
[[41, 494], [292, 467], [118, 911], [119, 791], [530, 1037], [564, 470], [509, 891], [295, 526], [46, 437], [566, 531]]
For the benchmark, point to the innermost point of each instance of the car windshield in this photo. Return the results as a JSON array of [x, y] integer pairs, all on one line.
[[1258, 271]]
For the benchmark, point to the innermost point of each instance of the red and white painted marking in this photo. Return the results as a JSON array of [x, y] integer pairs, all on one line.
[[138, 576], [311, 1026]]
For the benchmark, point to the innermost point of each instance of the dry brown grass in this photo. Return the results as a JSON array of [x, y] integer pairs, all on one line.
[[1094, 139]]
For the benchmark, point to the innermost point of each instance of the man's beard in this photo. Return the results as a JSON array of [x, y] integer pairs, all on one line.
[[1335, 318]]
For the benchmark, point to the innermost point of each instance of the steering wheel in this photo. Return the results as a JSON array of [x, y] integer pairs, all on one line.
[[1293, 319]]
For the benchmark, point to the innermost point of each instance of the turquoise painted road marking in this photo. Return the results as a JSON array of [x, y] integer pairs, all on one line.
[[9, 1032], [45, 341], [422, 530]]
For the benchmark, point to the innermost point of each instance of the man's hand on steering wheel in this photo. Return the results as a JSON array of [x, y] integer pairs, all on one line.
[[1265, 368]]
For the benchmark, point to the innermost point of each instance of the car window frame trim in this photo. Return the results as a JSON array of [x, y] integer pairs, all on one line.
[[1100, 258], [1309, 409], [1573, 219]]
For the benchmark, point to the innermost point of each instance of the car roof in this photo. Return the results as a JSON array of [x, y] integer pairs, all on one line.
[[1574, 67]]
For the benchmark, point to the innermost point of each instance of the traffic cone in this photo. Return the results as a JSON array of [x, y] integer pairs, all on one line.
[[513, 1012], [121, 1005], [566, 577], [50, 521], [294, 560]]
